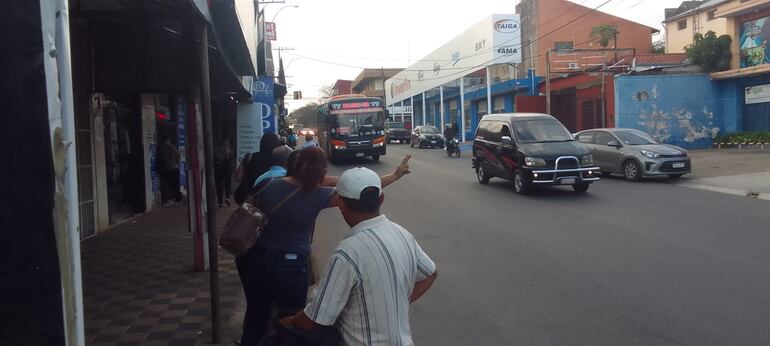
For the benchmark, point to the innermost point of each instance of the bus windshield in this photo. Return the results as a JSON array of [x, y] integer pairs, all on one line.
[[358, 124]]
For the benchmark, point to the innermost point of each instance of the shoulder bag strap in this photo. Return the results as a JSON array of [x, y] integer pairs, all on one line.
[[284, 200]]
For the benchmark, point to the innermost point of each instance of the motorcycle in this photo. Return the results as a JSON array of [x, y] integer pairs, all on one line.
[[452, 146]]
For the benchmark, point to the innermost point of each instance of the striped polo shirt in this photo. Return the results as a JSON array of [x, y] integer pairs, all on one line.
[[366, 288]]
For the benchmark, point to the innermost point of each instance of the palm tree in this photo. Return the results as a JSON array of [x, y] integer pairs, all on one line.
[[604, 34]]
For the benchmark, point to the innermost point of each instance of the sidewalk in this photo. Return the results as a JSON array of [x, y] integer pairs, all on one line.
[[139, 287], [740, 172]]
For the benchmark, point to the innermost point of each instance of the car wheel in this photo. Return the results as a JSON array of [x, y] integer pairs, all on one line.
[[448, 153], [675, 176], [376, 157], [458, 152], [632, 171], [481, 175], [580, 188], [520, 183]]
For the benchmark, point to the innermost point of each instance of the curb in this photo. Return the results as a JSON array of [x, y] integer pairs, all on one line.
[[735, 192]]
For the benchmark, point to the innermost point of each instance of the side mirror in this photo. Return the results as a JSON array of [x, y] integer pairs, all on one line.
[[615, 144], [506, 140]]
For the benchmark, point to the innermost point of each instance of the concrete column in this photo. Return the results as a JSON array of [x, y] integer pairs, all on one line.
[[489, 92], [411, 104], [441, 100], [462, 108], [423, 108]]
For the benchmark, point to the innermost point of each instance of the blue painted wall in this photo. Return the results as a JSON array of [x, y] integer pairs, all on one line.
[[685, 110]]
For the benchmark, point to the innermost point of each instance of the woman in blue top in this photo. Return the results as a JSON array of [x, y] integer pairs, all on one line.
[[275, 269]]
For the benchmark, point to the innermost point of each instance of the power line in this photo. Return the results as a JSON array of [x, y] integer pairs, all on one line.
[[463, 70]]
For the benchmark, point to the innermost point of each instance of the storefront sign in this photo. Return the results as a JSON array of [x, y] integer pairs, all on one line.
[[753, 36], [150, 143], [270, 33], [494, 40], [181, 141], [263, 90], [249, 133], [757, 94]]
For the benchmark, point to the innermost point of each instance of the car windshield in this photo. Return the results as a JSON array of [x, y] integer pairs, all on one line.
[[395, 125], [427, 129], [635, 137], [541, 130]]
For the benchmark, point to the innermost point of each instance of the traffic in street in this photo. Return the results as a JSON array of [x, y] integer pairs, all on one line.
[[631, 263]]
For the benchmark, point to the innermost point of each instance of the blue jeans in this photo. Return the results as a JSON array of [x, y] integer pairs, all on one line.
[[270, 276]]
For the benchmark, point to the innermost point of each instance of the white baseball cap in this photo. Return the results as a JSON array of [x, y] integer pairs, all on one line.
[[353, 181]]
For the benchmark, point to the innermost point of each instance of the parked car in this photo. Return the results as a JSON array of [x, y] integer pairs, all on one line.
[[530, 150], [396, 132], [426, 136], [634, 153]]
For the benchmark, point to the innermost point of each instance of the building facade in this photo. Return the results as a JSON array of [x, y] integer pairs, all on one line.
[[371, 81], [562, 24], [342, 87], [691, 18]]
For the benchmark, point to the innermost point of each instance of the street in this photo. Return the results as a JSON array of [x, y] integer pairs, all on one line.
[[648, 263]]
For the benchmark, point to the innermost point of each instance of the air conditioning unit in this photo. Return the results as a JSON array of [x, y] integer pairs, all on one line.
[[573, 66]]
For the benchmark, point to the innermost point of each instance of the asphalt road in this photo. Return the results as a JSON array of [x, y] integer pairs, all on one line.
[[648, 263]]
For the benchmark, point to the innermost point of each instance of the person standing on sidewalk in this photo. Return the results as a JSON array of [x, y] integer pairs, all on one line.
[[169, 159], [274, 270], [223, 171], [253, 165], [373, 275], [278, 165]]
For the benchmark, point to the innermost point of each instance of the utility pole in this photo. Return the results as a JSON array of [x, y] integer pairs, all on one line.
[[384, 93], [548, 81], [281, 49]]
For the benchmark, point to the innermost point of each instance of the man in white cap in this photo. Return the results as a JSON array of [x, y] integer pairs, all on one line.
[[373, 275]]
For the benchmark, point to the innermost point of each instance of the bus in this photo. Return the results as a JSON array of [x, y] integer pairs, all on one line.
[[352, 126]]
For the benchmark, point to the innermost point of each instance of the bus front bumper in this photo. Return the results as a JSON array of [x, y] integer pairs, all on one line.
[[359, 152]]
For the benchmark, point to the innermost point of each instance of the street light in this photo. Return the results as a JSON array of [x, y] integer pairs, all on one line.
[[279, 10]]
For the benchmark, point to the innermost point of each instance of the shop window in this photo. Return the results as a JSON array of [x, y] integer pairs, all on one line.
[[498, 105], [564, 45], [682, 24], [482, 108]]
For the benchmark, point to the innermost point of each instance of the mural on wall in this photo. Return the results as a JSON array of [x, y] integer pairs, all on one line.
[[688, 122], [753, 42]]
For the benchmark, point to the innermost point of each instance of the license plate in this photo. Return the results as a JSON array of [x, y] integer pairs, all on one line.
[[433, 142], [359, 154], [678, 165], [568, 181]]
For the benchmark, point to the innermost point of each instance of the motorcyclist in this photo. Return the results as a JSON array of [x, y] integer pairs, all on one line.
[[450, 132]]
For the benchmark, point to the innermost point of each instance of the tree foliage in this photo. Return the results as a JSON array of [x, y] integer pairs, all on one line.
[[305, 115], [604, 34], [659, 47], [327, 91], [710, 52]]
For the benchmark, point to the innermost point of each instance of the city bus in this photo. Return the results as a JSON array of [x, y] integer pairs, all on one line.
[[352, 126]]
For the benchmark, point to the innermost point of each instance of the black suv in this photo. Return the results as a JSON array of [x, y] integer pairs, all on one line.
[[531, 149], [396, 132]]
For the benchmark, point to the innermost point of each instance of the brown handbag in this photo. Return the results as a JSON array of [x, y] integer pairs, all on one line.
[[246, 224]]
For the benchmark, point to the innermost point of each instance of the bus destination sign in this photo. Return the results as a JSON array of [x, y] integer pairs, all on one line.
[[356, 107]]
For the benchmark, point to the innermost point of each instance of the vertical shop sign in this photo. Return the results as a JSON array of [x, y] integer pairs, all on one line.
[[249, 129], [181, 118], [151, 177], [262, 89]]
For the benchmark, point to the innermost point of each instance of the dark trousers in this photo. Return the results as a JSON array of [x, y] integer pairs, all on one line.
[[270, 276], [223, 181], [171, 178]]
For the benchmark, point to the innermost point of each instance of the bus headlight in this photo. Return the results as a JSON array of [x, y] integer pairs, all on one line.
[[378, 142]]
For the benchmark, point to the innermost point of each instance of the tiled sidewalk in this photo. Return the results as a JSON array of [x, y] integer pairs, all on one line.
[[139, 287]]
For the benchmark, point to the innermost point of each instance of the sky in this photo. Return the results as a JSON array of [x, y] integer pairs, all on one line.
[[336, 39]]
